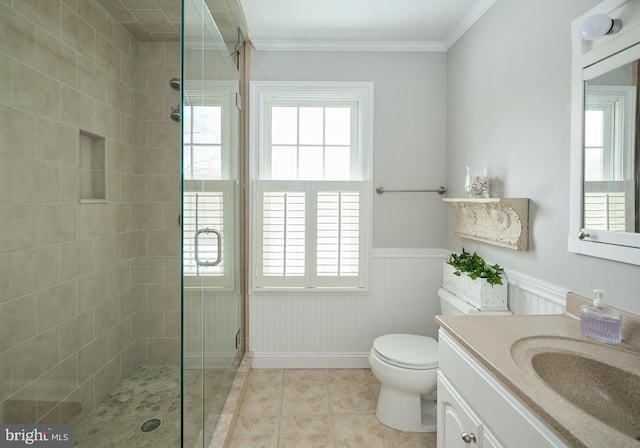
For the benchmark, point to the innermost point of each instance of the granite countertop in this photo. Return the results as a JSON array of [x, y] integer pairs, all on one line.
[[492, 341]]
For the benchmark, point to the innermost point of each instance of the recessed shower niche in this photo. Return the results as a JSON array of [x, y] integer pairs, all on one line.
[[93, 163]]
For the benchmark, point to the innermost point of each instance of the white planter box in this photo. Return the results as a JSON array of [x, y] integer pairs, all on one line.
[[478, 292]]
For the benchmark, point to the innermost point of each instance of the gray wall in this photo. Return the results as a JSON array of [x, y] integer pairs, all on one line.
[[508, 106], [408, 135]]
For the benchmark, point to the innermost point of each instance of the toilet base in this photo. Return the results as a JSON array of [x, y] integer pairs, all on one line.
[[406, 412]]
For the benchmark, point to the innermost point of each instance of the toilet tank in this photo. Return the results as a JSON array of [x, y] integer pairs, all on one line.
[[452, 305]]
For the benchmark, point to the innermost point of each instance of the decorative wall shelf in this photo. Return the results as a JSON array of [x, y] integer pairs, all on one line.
[[499, 221]]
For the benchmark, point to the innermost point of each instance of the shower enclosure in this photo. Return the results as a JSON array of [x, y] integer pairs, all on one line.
[[212, 222], [120, 288]]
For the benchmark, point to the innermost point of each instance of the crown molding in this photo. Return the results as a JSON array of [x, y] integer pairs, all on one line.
[[416, 46], [324, 45], [467, 22]]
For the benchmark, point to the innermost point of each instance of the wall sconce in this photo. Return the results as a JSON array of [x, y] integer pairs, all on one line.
[[599, 25]]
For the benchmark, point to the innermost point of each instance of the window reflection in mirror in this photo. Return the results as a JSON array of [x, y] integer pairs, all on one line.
[[610, 150]]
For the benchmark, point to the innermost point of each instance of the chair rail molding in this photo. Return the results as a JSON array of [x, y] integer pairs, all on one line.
[[502, 222]]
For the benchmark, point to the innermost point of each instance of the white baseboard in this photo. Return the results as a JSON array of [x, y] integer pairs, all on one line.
[[310, 361]]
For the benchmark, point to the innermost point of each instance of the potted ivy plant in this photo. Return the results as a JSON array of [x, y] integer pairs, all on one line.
[[471, 278]]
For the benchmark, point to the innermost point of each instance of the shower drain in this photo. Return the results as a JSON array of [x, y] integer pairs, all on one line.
[[151, 425]]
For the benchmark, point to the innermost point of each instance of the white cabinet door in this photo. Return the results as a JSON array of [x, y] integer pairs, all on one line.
[[458, 426], [489, 440]]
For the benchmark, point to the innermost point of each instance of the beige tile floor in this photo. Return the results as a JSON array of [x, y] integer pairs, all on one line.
[[318, 408]]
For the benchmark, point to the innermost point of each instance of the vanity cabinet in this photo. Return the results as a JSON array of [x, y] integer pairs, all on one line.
[[458, 426], [476, 410]]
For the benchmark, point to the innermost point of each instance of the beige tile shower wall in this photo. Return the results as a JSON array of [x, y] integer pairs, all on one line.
[[156, 166], [72, 280]]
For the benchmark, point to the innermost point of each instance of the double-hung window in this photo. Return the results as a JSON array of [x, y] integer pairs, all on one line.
[[311, 184], [209, 123]]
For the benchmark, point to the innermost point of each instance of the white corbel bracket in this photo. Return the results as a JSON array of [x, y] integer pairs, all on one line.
[[498, 221]]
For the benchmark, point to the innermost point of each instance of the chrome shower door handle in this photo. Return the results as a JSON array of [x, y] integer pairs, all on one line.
[[195, 242]]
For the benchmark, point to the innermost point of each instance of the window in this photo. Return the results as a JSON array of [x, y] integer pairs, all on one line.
[[311, 184], [208, 184]]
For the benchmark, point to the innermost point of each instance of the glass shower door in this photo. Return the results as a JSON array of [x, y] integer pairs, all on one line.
[[211, 290]]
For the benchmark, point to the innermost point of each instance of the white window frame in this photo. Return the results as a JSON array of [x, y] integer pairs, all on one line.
[[264, 92], [218, 93]]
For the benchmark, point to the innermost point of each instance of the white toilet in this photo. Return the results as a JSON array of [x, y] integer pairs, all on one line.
[[406, 366]]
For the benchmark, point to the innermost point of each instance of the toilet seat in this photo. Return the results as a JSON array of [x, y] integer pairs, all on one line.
[[408, 351]]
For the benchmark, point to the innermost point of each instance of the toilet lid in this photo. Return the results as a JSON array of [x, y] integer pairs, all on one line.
[[407, 350]]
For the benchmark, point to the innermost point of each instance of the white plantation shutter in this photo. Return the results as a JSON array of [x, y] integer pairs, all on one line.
[[338, 234], [310, 234], [283, 233], [605, 210]]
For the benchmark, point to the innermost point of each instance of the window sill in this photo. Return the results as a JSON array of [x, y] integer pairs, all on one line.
[[309, 291]]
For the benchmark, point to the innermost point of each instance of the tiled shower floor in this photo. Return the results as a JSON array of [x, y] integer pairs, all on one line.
[[151, 392], [318, 408]]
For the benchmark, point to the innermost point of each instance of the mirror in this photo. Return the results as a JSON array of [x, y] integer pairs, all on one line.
[[605, 137], [610, 190]]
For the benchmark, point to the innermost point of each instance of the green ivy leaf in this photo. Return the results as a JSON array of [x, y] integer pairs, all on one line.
[[475, 267]]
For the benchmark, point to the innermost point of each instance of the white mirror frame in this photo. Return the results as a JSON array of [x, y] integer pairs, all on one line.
[[608, 52]]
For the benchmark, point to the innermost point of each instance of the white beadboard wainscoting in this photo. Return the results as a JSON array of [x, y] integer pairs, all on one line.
[[529, 295], [336, 330]]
